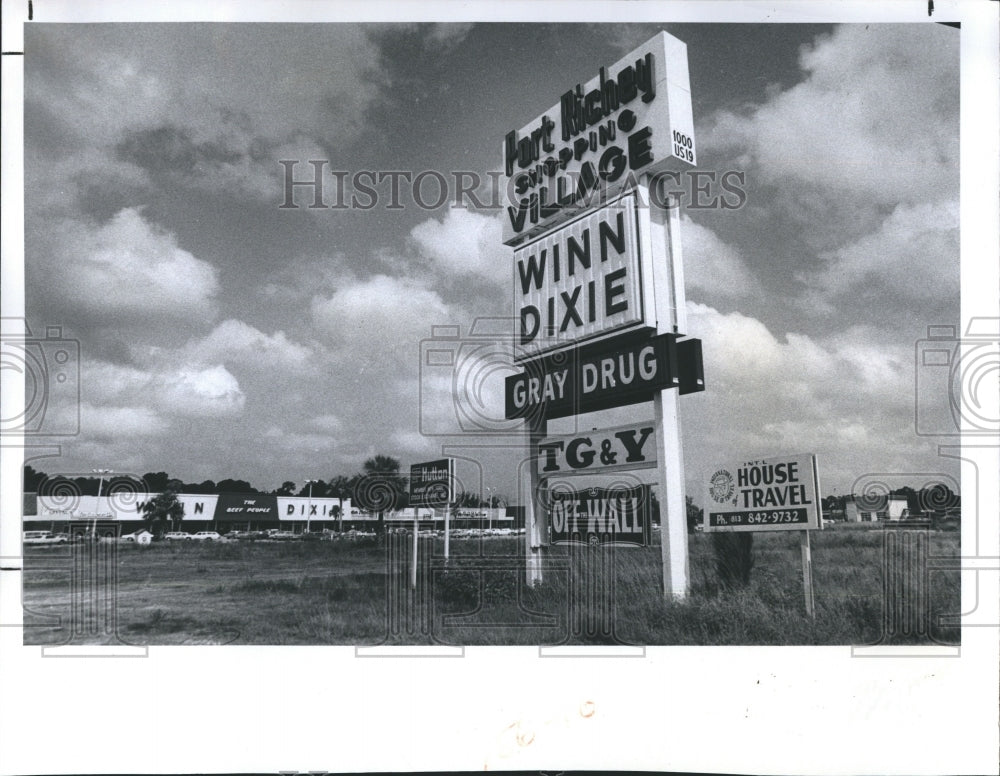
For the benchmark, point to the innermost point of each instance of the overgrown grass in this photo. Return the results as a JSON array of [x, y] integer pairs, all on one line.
[[359, 593]]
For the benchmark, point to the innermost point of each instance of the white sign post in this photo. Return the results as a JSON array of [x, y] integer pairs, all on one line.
[[663, 241], [536, 526], [447, 532]]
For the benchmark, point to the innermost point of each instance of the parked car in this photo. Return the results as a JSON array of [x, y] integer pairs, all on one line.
[[207, 536], [142, 536], [44, 537], [281, 535], [176, 535]]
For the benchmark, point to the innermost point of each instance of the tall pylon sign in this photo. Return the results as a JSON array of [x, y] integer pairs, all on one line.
[[599, 303]]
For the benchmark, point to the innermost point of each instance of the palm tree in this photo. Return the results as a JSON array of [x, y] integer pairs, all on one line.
[[338, 487], [381, 487]]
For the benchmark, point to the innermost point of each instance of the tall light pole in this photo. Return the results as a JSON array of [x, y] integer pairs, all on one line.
[[489, 506], [309, 508], [100, 484]]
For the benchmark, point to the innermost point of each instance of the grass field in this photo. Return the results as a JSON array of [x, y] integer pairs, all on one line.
[[871, 586]]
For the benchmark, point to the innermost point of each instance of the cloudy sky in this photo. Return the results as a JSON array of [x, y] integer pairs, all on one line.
[[223, 336]]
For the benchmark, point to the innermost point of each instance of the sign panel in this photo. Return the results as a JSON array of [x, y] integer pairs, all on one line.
[[773, 494], [597, 452], [431, 483], [581, 281], [303, 508], [246, 506], [634, 116], [598, 516], [602, 375]]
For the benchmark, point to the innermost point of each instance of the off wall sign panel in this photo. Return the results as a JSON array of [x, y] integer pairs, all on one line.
[[599, 516], [772, 494], [632, 117], [581, 281]]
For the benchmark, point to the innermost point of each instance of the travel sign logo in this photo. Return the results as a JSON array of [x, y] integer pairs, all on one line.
[[634, 117]]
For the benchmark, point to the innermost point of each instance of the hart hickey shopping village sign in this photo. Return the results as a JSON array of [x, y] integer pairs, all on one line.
[[600, 305], [633, 117]]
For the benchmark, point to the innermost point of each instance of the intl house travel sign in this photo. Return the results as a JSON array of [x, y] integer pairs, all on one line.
[[632, 117], [767, 494]]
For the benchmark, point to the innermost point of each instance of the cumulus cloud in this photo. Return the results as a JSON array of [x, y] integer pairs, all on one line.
[[116, 423], [127, 269], [222, 117], [380, 321], [209, 392], [911, 256], [713, 270], [235, 341], [184, 392], [465, 243], [847, 397], [874, 117]]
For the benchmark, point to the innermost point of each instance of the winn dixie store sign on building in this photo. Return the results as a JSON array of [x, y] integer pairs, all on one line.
[[770, 494], [633, 117]]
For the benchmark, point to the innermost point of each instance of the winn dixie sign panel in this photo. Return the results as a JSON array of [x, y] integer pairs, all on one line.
[[581, 281], [632, 117], [773, 494], [601, 516]]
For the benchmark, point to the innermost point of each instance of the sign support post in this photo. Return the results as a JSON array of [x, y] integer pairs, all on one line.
[[671, 316], [447, 532], [431, 485], [807, 574], [535, 517], [413, 566]]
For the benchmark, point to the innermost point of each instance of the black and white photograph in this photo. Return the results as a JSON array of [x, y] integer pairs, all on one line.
[[543, 376]]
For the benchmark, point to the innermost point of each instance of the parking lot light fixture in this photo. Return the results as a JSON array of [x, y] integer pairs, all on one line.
[[310, 483], [100, 483]]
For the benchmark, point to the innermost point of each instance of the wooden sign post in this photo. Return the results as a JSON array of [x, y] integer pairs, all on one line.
[[807, 574]]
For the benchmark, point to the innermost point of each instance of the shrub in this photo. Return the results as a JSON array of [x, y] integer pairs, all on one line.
[[733, 557]]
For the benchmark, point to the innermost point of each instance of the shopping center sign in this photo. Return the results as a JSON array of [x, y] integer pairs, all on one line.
[[633, 117]]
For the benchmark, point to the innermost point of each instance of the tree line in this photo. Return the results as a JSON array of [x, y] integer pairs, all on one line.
[[380, 486]]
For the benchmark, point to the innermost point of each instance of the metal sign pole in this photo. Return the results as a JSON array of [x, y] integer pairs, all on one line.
[[447, 532]]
